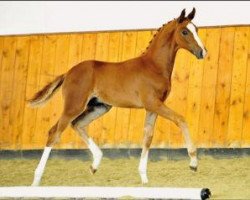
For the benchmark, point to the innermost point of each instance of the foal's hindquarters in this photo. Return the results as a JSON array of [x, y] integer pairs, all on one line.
[[79, 110]]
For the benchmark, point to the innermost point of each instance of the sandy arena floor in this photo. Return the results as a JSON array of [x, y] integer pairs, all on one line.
[[226, 178]]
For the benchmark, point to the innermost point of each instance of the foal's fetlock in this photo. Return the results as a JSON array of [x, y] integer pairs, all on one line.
[[193, 159], [193, 163]]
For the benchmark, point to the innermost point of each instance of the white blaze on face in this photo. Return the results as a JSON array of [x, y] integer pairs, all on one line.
[[192, 29]]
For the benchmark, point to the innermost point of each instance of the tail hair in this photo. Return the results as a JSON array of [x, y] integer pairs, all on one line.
[[45, 94]]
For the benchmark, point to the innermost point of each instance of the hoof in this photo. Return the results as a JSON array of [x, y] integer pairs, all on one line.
[[92, 170], [205, 193], [193, 168]]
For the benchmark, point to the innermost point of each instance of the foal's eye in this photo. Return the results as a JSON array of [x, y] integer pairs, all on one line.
[[184, 32]]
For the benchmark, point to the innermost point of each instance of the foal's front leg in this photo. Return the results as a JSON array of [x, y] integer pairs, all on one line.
[[148, 136], [158, 107]]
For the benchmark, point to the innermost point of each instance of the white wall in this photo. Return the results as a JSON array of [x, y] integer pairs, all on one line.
[[47, 17]]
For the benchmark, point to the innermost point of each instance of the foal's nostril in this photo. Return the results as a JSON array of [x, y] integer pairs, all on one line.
[[201, 54]]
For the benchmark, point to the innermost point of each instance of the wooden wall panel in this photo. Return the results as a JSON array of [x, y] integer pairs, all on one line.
[[246, 115], [32, 86], [19, 87], [6, 87], [213, 94], [208, 87], [238, 85], [223, 88]]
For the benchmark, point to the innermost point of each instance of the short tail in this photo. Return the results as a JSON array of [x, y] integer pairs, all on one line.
[[41, 97]]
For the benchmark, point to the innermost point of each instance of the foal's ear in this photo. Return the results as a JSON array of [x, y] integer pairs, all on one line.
[[182, 16], [191, 15]]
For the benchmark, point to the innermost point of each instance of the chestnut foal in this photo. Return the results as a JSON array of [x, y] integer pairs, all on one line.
[[92, 87]]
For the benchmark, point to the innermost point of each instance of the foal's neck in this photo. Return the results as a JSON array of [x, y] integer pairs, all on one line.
[[162, 51]]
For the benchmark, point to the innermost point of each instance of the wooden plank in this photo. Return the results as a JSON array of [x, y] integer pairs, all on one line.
[[44, 114], [7, 72], [178, 98], [1, 56], [75, 49], [89, 46], [208, 87], [109, 119], [137, 116], [101, 53], [245, 141], [32, 86], [19, 88], [123, 114], [223, 86], [238, 87], [194, 92], [61, 66]]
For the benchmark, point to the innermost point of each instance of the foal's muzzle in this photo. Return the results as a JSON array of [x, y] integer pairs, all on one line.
[[201, 53]]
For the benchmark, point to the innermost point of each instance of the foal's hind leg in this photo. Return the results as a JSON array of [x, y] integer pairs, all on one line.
[[94, 110], [54, 135]]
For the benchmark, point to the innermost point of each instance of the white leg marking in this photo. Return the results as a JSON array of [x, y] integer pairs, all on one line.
[[191, 27], [193, 162], [143, 167], [190, 146], [97, 153], [40, 168]]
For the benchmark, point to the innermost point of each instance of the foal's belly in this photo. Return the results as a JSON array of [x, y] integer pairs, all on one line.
[[120, 99]]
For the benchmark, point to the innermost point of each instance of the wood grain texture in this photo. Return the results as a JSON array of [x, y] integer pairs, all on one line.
[[6, 87], [19, 86], [223, 88], [213, 94], [238, 85], [32, 85], [246, 114], [208, 87]]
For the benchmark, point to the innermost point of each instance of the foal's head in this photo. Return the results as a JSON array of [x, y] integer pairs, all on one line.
[[186, 35]]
